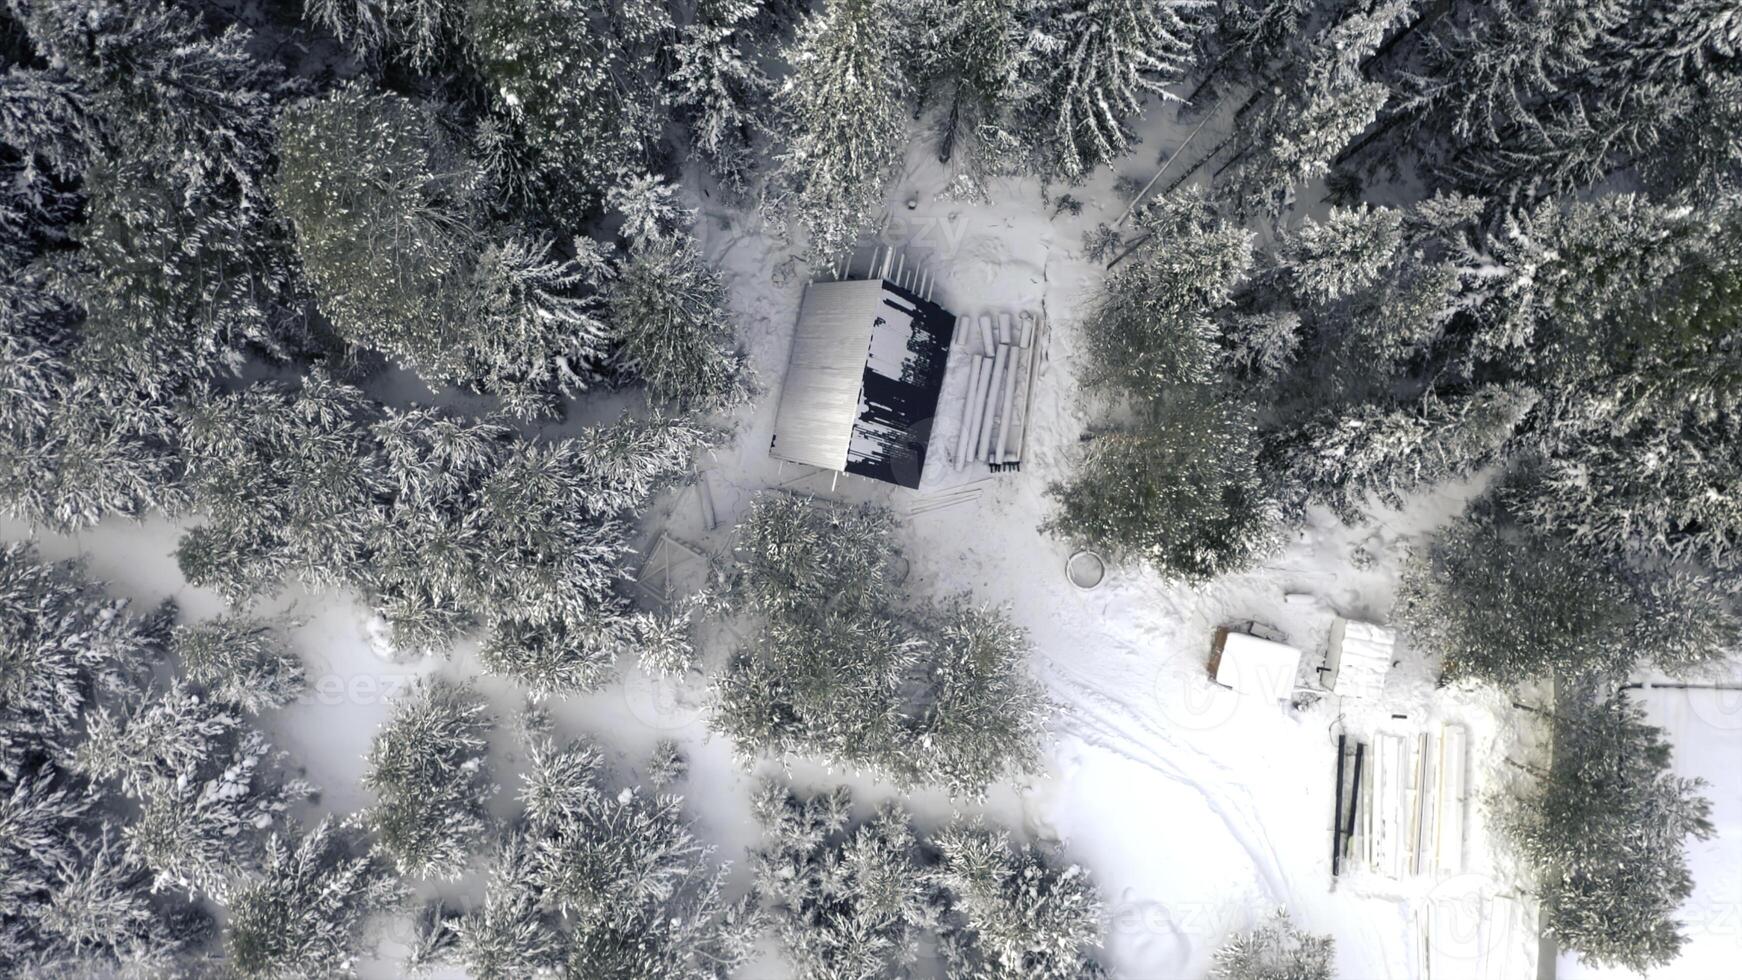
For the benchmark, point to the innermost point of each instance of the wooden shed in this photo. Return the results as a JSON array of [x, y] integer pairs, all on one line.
[[863, 380]]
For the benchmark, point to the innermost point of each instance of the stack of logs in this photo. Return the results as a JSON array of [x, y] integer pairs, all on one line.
[[1000, 386]]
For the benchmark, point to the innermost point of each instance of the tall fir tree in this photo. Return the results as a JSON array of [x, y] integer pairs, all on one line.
[[1605, 832], [1098, 60], [304, 913], [844, 115], [578, 82], [1319, 106], [428, 770]]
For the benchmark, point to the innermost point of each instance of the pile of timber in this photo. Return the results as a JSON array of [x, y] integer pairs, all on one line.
[[1402, 803], [1000, 388]]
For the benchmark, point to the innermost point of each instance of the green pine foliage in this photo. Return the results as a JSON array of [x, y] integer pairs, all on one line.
[[239, 661], [1014, 913], [844, 118], [1508, 604], [1276, 949], [578, 83], [390, 212], [129, 798], [835, 667], [719, 88], [860, 897], [1320, 105], [428, 771], [1176, 489], [304, 914], [1098, 61], [1605, 830], [673, 327], [593, 881], [1150, 325]]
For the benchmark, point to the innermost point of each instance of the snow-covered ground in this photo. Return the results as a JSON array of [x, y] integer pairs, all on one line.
[[1196, 810]]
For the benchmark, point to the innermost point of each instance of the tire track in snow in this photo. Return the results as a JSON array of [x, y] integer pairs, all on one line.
[[1112, 724]]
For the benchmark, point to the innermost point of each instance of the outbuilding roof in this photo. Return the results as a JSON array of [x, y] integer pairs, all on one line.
[[1359, 657], [1262, 668], [862, 383]]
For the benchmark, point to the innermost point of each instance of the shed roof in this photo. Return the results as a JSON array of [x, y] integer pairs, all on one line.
[[862, 384], [1359, 657], [1258, 667]]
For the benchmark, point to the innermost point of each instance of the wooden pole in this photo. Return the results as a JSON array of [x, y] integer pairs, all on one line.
[[1171, 158]]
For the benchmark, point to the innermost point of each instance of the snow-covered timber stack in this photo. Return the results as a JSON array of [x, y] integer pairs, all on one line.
[[999, 387], [1414, 802], [1358, 658]]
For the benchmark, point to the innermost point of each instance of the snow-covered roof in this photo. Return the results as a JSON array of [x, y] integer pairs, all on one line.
[[1359, 657], [862, 383], [1258, 667]]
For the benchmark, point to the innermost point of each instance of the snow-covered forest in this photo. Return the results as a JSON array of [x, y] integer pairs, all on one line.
[[401, 573]]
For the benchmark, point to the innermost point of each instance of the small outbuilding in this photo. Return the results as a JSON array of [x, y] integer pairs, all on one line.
[[863, 381], [1358, 659], [1247, 664]]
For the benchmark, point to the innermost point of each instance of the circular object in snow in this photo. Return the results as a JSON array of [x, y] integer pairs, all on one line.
[[1086, 569]]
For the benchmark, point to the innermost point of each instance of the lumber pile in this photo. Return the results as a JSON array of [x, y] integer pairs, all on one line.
[[995, 419], [1403, 804]]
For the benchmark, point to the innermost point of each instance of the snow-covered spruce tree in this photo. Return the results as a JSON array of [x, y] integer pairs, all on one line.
[[303, 914], [165, 92], [592, 882], [120, 797], [1346, 253], [170, 287], [1319, 106], [1013, 913], [1484, 73], [845, 901], [579, 82], [1276, 949], [971, 68], [1624, 308], [1509, 604], [1149, 326], [672, 326], [1176, 488], [420, 31], [719, 90], [71, 452], [1605, 830], [1246, 37], [843, 114], [289, 482], [858, 898], [934, 696], [1096, 61], [66, 644], [1383, 452], [239, 661], [78, 438], [206, 783], [442, 523], [555, 621], [1563, 94], [431, 780], [1260, 346], [177, 261], [391, 231]]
